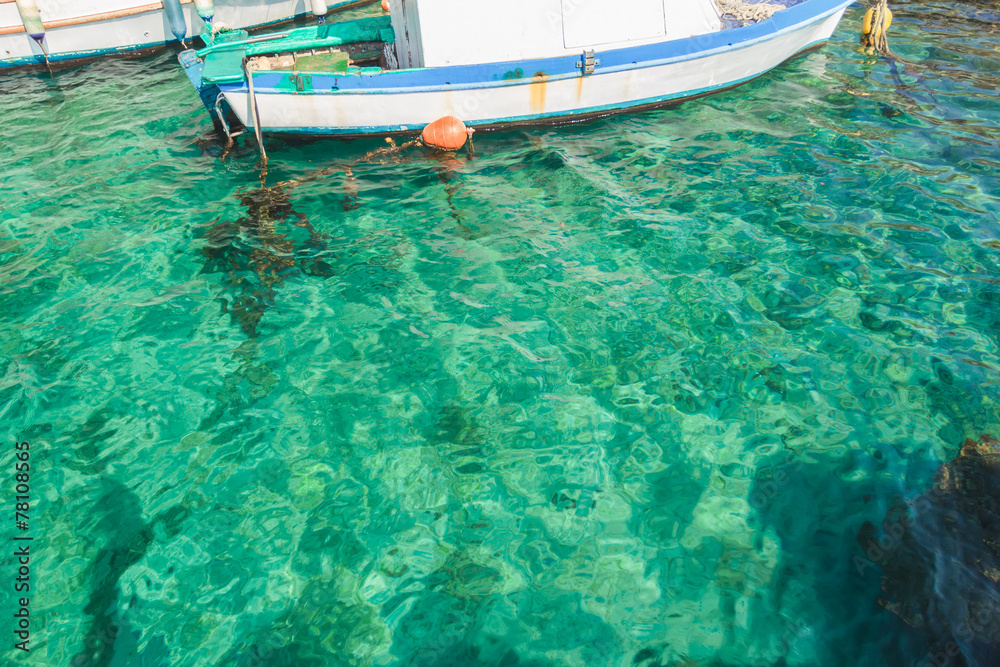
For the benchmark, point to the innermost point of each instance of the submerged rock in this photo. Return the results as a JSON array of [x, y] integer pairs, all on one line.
[[940, 559]]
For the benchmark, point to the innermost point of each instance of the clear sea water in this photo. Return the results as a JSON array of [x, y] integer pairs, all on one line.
[[614, 393]]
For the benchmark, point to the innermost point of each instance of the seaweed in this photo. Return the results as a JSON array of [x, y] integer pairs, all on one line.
[[260, 251]]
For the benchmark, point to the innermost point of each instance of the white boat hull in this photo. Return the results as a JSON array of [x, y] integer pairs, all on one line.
[[136, 25], [529, 100]]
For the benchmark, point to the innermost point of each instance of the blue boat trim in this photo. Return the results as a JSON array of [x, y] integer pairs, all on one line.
[[193, 68], [481, 76], [540, 118]]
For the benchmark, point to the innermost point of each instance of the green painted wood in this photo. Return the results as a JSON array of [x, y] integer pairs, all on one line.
[[224, 59]]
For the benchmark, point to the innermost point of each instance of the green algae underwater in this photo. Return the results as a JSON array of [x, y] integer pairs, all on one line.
[[617, 393]]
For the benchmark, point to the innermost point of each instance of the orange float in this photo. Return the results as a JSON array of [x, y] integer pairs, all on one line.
[[385, 5], [447, 134]]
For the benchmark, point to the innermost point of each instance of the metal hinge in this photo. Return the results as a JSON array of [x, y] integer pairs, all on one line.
[[589, 62], [302, 82]]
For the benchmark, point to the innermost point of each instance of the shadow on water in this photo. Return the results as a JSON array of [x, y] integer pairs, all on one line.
[[272, 244], [818, 565], [119, 519], [859, 572]]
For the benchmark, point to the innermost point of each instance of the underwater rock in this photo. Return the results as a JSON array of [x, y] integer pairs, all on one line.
[[940, 559]]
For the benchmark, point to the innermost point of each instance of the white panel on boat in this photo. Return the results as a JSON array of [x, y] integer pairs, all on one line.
[[9, 17], [593, 22], [460, 32], [686, 18], [276, 11], [439, 33], [53, 10]]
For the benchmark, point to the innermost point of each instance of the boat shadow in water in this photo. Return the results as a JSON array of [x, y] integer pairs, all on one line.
[[118, 518]]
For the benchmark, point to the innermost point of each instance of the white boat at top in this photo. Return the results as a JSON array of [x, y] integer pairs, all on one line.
[[495, 64], [65, 30]]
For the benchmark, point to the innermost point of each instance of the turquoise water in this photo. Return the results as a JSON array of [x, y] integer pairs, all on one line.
[[614, 393]]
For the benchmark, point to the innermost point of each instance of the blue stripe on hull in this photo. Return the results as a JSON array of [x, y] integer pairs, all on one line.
[[568, 116]]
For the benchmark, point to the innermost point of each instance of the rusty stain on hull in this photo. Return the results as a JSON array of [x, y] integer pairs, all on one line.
[[536, 90], [579, 88], [629, 83]]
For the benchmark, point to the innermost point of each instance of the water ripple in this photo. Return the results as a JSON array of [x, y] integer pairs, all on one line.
[[617, 393]]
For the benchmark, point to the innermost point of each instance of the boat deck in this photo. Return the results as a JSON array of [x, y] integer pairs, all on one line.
[[328, 48]]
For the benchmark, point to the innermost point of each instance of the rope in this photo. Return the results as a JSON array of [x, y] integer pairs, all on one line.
[[247, 69], [738, 10], [874, 27]]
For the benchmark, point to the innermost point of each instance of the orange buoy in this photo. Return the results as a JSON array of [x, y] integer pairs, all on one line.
[[385, 5], [447, 134]]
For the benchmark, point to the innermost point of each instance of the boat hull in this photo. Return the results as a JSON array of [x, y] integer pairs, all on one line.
[[543, 98], [128, 27]]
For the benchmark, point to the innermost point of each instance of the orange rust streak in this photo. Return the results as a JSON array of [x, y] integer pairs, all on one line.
[[91, 18], [579, 88], [537, 91]]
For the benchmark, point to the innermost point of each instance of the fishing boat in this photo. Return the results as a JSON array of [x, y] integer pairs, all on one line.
[[499, 64], [33, 32]]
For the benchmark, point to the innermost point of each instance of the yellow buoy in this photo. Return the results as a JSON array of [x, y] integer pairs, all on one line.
[[875, 26]]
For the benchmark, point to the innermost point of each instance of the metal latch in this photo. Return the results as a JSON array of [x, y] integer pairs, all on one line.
[[302, 82], [589, 62]]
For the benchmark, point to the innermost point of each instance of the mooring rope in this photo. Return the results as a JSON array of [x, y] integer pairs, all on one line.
[[248, 70], [874, 27]]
